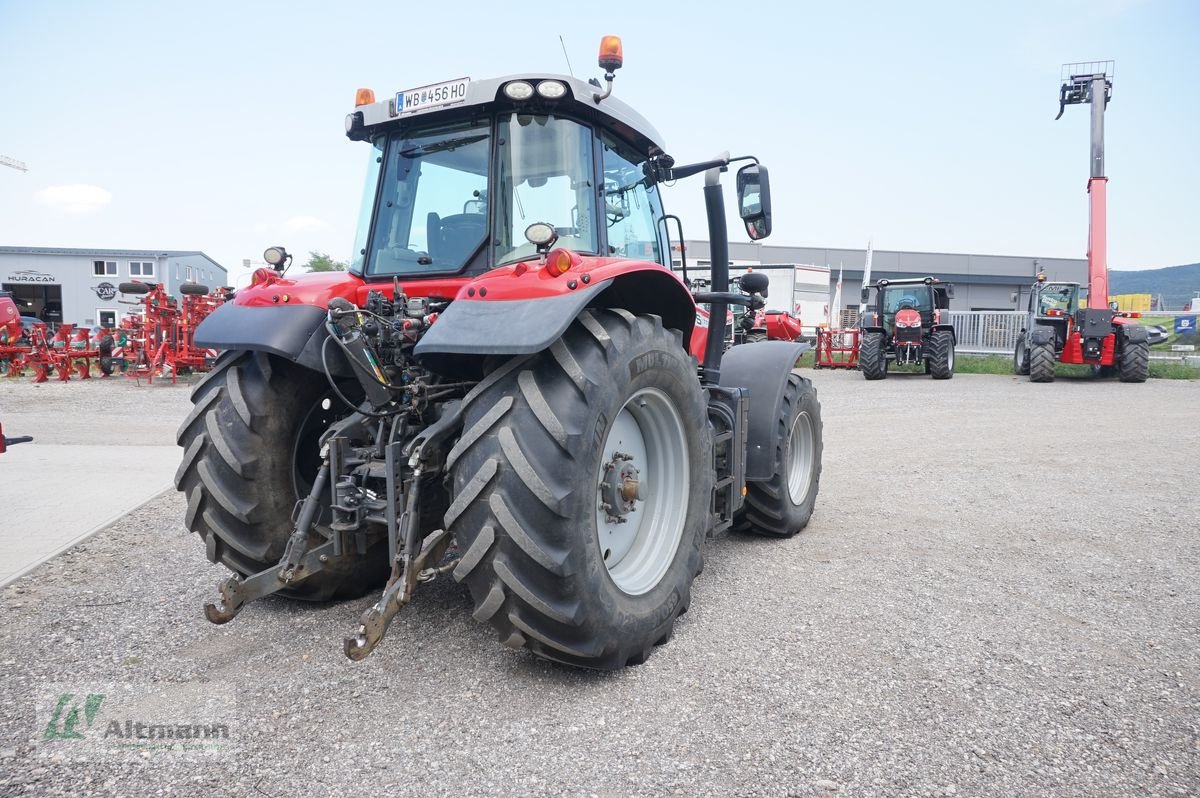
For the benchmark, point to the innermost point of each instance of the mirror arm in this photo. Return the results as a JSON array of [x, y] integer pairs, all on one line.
[[754, 302]]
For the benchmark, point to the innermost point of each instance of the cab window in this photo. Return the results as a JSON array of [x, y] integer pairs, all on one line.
[[631, 204]]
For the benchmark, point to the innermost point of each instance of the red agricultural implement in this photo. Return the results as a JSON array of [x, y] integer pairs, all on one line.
[[160, 338], [836, 349]]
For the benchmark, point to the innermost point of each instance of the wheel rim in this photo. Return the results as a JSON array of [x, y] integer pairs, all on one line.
[[950, 358], [639, 537], [800, 458], [1019, 355]]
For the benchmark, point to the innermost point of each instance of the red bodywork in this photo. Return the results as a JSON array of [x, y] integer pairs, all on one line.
[[527, 280], [780, 325]]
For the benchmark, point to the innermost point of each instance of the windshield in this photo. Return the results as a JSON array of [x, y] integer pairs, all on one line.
[[899, 297], [544, 174], [1058, 298], [432, 206]]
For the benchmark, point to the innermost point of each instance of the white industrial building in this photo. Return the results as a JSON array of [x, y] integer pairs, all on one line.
[[81, 285]]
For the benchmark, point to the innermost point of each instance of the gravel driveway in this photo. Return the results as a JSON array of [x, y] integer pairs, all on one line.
[[997, 595]]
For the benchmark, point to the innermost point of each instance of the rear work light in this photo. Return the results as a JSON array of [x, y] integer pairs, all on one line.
[[518, 90], [551, 89]]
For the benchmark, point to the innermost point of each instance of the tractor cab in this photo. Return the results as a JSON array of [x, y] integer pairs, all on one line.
[[459, 172]]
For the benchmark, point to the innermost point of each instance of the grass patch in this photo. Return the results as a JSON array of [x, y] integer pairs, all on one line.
[[1000, 364]]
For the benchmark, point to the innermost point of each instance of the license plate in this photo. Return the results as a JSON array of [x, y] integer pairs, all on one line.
[[433, 96]]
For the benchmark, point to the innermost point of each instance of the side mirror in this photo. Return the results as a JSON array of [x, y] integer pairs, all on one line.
[[754, 200], [755, 283], [866, 295]]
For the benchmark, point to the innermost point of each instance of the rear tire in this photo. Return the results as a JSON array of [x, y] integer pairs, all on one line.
[[782, 506], [872, 360], [1041, 363], [249, 445], [1134, 365], [941, 355], [544, 564], [1021, 357], [755, 337]]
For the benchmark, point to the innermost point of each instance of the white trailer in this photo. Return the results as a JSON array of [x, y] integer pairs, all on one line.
[[800, 289]]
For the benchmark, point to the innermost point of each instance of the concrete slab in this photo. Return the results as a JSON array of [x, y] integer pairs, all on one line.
[[54, 496]]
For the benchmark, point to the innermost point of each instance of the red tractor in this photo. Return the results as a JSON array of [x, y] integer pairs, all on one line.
[[909, 325], [509, 385]]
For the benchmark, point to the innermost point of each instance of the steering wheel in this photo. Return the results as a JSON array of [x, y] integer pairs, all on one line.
[[907, 303]]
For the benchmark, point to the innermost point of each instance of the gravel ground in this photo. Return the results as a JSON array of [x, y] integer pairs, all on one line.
[[985, 603], [95, 411]]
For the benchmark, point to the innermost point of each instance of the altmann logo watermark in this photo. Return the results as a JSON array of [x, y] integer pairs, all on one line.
[[184, 720]]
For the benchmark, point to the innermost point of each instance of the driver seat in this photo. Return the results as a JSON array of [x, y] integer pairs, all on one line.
[[452, 239]]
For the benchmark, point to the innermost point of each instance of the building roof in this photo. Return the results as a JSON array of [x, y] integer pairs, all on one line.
[[115, 253]]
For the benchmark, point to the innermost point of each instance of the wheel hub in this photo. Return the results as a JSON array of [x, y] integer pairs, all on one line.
[[620, 488]]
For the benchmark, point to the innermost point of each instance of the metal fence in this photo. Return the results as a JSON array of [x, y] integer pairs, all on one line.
[[987, 331]]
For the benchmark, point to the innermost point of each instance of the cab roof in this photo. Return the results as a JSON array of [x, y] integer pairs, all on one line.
[[611, 112]]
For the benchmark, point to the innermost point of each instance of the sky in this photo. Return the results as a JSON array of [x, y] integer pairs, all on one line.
[[924, 126]]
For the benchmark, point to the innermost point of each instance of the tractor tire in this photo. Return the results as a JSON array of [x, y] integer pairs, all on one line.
[[1134, 363], [1021, 357], [547, 565], [941, 355], [134, 288], [1041, 363], [781, 506], [250, 453], [194, 289], [872, 360], [755, 337]]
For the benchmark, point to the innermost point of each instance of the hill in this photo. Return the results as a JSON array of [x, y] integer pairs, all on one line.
[[1175, 283]]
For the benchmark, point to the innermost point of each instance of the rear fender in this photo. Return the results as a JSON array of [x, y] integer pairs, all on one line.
[[293, 332], [507, 322], [762, 370]]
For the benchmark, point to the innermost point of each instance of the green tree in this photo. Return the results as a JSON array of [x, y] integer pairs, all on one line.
[[321, 262]]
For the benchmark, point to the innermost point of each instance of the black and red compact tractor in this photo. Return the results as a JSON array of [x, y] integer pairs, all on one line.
[[509, 386], [909, 324]]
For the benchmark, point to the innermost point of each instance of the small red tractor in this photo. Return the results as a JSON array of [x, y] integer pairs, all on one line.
[[910, 325], [1057, 329], [508, 386]]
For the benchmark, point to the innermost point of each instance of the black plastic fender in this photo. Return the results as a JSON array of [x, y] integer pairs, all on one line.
[[1041, 335], [1134, 333], [504, 327], [762, 370], [294, 332], [947, 328]]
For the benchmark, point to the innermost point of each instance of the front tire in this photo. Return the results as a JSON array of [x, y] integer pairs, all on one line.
[[872, 359], [941, 355], [545, 563], [249, 444], [782, 506], [1134, 365], [1041, 363]]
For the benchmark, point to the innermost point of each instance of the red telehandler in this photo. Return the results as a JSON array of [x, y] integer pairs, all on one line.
[[1057, 329]]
